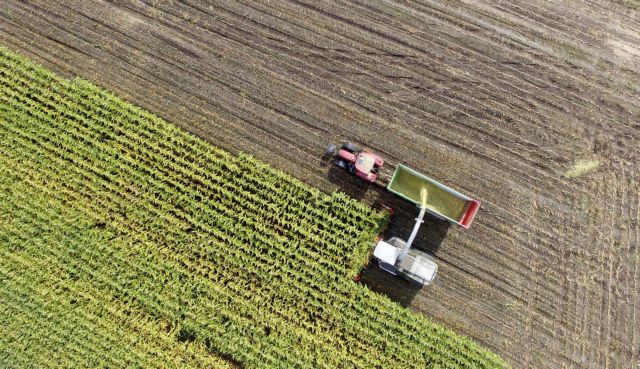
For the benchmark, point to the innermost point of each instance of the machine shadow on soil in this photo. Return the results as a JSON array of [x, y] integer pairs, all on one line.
[[350, 185]]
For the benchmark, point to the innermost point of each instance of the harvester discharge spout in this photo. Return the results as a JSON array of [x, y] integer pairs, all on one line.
[[414, 232]]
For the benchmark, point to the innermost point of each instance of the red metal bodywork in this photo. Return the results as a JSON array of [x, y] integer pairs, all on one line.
[[467, 219], [347, 156], [364, 164], [369, 177]]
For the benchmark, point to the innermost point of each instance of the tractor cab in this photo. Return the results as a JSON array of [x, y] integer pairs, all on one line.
[[365, 162]]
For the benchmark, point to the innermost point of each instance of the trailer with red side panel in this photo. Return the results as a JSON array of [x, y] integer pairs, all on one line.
[[442, 201]]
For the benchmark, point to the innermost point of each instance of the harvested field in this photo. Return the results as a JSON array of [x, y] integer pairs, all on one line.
[[503, 101]]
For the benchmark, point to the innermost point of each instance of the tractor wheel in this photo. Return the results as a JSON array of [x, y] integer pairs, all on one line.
[[331, 151], [350, 147]]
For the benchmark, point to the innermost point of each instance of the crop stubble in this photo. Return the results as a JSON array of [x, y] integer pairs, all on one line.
[[498, 100]]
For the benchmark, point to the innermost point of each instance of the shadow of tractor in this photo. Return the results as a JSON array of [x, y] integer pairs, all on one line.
[[351, 185]]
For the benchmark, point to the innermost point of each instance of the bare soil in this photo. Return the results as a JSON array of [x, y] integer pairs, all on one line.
[[497, 99]]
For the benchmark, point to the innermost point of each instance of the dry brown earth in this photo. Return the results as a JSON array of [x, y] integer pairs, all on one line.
[[533, 107]]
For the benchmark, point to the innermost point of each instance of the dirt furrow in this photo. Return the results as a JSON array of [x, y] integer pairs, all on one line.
[[566, 69], [478, 95]]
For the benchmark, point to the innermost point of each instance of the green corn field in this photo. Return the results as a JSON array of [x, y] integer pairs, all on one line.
[[126, 242]]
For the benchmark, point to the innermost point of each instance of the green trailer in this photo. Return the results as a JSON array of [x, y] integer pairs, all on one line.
[[441, 201]]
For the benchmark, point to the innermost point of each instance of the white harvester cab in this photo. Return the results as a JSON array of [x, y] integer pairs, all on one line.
[[397, 257], [416, 266]]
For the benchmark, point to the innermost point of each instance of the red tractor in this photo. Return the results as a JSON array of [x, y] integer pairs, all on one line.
[[363, 164]]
